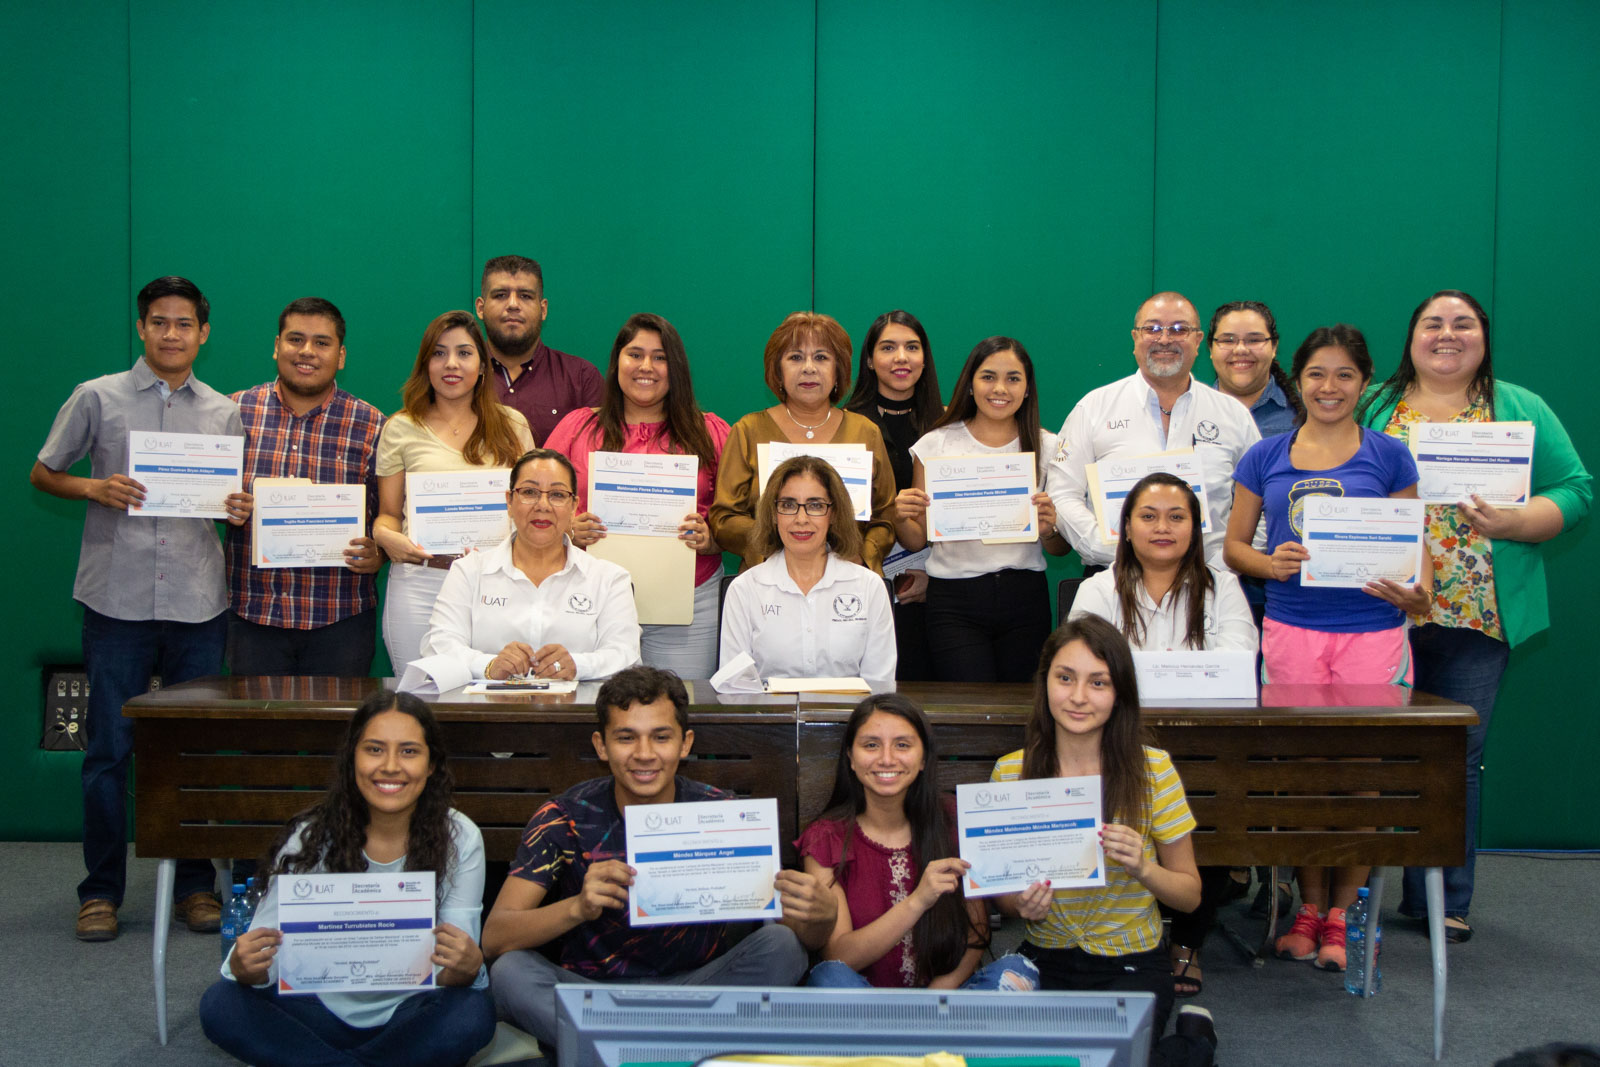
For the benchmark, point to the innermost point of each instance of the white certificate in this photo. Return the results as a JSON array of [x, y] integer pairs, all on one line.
[[901, 559], [1355, 540], [1188, 675], [1111, 480], [1017, 833], [639, 494], [981, 496], [301, 525], [1459, 460], [355, 933], [703, 861], [852, 462], [451, 511], [185, 475]]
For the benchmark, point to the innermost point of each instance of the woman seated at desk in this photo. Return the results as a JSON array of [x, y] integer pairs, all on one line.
[[533, 605], [387, 812], [806, 611]]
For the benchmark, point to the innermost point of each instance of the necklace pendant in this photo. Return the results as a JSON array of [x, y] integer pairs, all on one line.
[[809, 435]]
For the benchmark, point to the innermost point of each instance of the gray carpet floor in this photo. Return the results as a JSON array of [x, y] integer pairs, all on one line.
[[1531, 975]]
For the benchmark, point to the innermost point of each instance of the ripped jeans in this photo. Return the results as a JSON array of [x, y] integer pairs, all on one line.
[[1012, 972]]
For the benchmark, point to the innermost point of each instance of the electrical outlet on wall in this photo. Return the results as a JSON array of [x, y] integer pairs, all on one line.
[[66, 709]]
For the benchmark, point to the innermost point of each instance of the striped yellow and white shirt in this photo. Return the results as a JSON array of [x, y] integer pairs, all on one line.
[[1122, 916]]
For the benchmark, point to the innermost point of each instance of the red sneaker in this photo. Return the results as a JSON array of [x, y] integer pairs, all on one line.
[[1300, 943], [1330, 957]]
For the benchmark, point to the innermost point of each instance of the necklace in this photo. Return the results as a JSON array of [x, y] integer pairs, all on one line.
[[810, 430], [455, 430]]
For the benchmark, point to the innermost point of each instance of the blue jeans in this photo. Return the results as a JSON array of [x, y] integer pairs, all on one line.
[[1465, 666], [446, 1026], [120, 656], [1013, 972]]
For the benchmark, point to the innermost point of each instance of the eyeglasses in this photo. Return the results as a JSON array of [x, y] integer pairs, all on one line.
[[1178, 330], [1228, 340], [788, 505], [559, 498]]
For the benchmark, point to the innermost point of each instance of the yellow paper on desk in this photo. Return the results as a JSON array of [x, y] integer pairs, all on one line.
[[817, 685], [663, 575]]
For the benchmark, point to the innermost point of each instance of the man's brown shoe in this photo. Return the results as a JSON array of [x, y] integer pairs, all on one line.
[[97, 920], [200, 912]]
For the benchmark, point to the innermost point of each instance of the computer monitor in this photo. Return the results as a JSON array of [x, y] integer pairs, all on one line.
[[613, 1024]]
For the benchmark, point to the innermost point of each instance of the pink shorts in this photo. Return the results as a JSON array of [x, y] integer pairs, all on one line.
[[1295, 656]]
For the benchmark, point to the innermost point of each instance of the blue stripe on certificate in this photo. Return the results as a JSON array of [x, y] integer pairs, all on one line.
[[1517, 461], [702, 854], [438, 509], [334, 926], [331, 520], [174, 468], [642, 490], [971, 494], [1365, 538], [1030, 827]]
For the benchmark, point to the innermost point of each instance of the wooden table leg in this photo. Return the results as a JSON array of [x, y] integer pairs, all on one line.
[[1434, 880], [166, 873]]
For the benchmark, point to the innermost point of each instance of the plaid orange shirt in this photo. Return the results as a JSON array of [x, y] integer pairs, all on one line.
[[335, 444]]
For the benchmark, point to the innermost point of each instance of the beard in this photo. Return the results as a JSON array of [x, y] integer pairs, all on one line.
[[512, 346], [1161, 365]]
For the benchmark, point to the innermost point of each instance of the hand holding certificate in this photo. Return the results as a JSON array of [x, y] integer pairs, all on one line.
[[185, 475], [635, 493], [1457, 461], [1353, 541], [982, 496], [297, 524], [355, 933], [1017, 833], [703, 861]]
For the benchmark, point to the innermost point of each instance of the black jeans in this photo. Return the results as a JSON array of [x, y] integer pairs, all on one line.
[[989, 628], [341, 649]]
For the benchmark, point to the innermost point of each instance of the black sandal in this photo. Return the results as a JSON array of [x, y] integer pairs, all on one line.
[[1191, 984]]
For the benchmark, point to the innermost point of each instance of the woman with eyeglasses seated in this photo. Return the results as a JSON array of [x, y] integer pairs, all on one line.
[[534, 606], [806, 611]]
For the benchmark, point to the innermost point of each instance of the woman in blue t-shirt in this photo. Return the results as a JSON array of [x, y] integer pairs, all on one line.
[[1322, 636]]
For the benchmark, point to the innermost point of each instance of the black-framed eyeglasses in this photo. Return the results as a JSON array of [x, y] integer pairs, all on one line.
[[787, 505], [559, 498], [1252, 342], [1178, 330]]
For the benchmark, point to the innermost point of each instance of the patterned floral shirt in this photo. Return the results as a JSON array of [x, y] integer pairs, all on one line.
[[1463, 565]]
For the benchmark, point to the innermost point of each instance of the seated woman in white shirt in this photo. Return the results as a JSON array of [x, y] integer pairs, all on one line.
[[534, 606], [806, 612], [1160, 592], [1162, 595]]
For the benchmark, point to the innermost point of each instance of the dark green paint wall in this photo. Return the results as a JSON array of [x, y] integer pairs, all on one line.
[[1030, 168]]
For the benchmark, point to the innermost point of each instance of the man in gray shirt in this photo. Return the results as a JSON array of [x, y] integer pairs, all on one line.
[[152, 589]]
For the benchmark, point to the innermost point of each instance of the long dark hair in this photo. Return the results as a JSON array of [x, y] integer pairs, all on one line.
[[684, 429], [333, 832], [494, 439], [926, 407], [964, 406], [1124, 774], [944, 932], [1290, 391], [1340, 335], [1405, 375], [1193, 574]]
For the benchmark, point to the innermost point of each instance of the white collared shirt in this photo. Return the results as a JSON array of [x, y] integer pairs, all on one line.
[[843, 628], [1124, 419], [1229, 625], [486, 603]]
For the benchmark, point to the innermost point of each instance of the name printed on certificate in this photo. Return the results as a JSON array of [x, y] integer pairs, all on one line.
[[185, 475], [852, 462], [355, 933], [302, 525], [642, 494], [1182, 675], [1111, 480], [1351, 541], [448, 512], [1459, 460], [981, 496], [1017, 833], [703, 861]]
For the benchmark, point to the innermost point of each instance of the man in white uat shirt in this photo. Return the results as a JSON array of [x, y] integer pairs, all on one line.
[[1159, 408]]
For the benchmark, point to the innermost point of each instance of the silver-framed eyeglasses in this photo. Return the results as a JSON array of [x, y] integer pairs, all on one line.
[[527, 494], [1254, 342], [1178, 330], [788, 505]]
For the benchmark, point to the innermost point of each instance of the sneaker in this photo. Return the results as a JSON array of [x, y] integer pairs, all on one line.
[[201, 912], [97, 920], [1300, 943], [1195, 1021], [1330, 957]]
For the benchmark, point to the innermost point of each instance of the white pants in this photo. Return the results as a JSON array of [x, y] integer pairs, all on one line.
[[689, 650], [407, 607]]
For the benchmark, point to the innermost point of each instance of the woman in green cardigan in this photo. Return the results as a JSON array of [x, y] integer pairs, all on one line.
[[1461, 647]]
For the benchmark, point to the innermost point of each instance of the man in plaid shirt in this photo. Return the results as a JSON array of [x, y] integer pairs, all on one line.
[[306, 620]]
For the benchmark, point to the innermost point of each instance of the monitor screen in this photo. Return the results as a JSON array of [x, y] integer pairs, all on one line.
[[613, 1024]]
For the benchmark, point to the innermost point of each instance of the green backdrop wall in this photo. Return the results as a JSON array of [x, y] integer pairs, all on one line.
[[1030, 168]]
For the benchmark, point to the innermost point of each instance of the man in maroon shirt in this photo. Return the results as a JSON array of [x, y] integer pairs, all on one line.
[[530, 376]]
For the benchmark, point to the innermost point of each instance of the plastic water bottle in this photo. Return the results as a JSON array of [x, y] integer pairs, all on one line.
[[252, 900], [234, 920], [1355, 947]]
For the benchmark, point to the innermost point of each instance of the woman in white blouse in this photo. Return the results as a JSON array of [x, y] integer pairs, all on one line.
[[806, 612], [1160, 592], [534, 606]]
